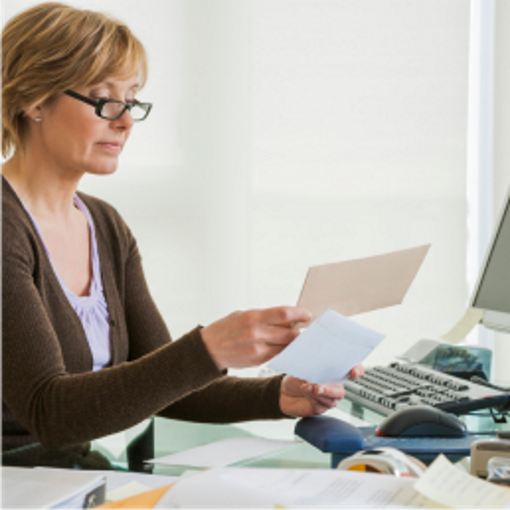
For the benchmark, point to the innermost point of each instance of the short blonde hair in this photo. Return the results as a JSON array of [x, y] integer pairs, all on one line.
[[53, 47]]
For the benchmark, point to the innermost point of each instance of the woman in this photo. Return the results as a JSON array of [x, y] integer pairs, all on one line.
[[85, 351]]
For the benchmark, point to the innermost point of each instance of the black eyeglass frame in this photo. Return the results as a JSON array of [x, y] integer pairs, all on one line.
[[98, 105]]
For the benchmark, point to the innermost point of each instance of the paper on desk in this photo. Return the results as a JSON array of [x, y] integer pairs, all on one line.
[[271, 488], [326, 351], [126, 491], [123, 484], [469, 320], [361, 285], [449, 486], [224, 452], [118, 479]]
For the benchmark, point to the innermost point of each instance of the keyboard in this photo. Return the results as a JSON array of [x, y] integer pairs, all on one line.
[[386, 389]]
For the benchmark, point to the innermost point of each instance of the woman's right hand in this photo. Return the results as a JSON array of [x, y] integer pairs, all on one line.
[[250, 338]]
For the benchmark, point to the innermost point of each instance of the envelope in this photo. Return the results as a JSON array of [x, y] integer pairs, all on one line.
[[361, 285]]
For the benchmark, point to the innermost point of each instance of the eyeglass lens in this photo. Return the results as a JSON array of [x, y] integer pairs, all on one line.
[[113, 109]]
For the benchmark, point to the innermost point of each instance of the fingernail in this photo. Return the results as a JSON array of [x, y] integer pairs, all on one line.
[[320, 391]]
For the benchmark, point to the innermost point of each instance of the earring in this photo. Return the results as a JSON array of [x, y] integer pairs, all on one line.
[[38, 119]]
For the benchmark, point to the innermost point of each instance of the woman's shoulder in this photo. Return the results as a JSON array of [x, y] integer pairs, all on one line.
[[107, 220], [13, 212], [100, 208], [19, 238]]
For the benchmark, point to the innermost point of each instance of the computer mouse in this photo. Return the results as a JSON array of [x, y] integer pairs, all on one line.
[[421, 421]]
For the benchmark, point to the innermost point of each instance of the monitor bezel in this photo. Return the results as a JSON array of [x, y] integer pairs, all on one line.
[[498, 321]]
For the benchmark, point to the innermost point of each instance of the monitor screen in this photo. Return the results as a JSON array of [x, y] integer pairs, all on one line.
[[493, 290]]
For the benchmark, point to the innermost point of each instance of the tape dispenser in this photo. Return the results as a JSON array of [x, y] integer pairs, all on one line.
[[384, 460]]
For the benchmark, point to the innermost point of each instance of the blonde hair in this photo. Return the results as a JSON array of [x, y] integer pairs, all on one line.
[[53, 47]]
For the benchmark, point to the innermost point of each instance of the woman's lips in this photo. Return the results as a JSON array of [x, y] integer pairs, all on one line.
[[111, 146]]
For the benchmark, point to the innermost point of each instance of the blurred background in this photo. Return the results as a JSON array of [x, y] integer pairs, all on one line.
[[292, 133]]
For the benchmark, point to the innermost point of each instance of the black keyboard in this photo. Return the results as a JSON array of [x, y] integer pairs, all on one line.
[[398, 385]]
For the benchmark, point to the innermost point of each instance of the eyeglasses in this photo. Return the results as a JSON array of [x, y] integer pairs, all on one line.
[[111, 109]]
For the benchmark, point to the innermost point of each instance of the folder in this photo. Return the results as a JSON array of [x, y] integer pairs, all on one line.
[[147, 499], [51, 488]]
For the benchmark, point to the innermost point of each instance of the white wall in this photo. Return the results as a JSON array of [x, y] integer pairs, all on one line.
[[359, 147], [288, 133]]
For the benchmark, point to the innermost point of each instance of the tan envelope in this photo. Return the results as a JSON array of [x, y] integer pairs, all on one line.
[[361, 285]]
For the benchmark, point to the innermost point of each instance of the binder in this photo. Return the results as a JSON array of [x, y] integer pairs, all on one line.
[[51, 488]]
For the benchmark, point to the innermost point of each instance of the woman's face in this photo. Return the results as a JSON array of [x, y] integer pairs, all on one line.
[[73, 138]]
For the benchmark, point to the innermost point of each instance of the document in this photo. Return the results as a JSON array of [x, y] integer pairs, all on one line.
[[451, 487], [461, 330], [326, 351], [224, 452], [361, 285], [118, 479], [293, 488], [122, 484], [51, 488]]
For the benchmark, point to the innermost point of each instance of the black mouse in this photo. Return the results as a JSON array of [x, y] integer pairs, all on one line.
[[421, 421]]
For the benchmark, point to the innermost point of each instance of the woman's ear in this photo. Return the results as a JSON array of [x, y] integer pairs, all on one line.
[[34, 113]]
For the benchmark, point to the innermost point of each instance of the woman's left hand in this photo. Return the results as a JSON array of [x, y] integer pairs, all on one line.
[[300, 398]]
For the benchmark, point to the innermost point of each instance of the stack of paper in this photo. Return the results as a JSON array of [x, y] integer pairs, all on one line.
[[443, 485]]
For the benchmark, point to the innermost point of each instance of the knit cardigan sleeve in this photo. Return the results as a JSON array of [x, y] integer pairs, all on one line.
[[227, 399], [48, 385]]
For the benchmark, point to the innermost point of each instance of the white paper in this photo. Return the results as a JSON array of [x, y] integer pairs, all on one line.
[[461, 330], [116, 479], [46, 488], [224, 452], [126, 491], [449, 486], [326, 351], [312, 488]]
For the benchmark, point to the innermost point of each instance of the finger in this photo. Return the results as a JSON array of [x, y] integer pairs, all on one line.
[[276, 335], [285, 316], [336, 391], [319, 407], [356, 371], [316, 392], [324, 401], [270, 350]]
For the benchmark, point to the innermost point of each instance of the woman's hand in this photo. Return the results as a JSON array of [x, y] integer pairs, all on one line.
[[299, 398], [246, 339]]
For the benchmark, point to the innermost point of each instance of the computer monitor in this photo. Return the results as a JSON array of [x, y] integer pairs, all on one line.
[[492, 291]]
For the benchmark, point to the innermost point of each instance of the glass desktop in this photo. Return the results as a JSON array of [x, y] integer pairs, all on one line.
[[172, 436]]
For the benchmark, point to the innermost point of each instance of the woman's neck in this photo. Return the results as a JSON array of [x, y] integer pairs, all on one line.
[[45, 192]]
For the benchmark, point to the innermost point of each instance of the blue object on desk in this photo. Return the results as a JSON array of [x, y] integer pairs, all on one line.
[[341, 439]]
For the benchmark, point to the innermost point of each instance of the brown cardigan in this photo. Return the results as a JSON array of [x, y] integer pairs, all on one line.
[[50, 393]]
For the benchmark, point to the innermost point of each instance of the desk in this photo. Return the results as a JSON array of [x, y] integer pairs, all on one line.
[[171, 436]]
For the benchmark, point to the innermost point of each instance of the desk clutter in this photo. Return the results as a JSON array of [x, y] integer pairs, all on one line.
[[374, 477]]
